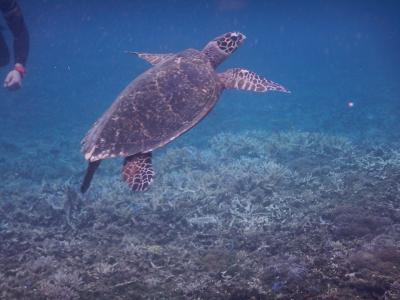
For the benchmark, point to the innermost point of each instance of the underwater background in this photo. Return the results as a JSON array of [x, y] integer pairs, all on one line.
[[271, 196]]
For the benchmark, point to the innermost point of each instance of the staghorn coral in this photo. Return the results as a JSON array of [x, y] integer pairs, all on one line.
[[256, 214]]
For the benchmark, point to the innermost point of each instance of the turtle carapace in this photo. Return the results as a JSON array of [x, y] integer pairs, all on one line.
[[163, 103]]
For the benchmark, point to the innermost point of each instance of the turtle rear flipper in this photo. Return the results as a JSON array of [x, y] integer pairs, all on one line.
[[243, 79], [92, 167], [138, 171]]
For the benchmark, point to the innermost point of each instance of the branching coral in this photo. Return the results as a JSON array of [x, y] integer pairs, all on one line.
[[256, 214]]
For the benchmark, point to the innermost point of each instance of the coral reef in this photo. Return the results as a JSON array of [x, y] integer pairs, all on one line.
[[252, 215]]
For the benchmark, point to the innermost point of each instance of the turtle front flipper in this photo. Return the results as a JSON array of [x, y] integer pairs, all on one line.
[[138, 171], [243, 79], [152, 58]]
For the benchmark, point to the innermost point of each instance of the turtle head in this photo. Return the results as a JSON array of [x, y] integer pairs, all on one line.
[[222, 46]]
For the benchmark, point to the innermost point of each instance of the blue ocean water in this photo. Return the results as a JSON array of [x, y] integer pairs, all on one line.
[[327, 53]]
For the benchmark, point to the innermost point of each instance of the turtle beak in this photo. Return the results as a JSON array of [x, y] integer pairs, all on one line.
[[240, 36]]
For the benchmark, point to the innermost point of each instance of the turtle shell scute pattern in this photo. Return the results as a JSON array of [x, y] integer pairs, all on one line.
[[156, 107]]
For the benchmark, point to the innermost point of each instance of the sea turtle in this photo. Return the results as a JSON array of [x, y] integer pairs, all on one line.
[[162, 103]]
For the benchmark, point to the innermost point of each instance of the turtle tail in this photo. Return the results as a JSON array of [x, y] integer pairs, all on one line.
[[92, 167]]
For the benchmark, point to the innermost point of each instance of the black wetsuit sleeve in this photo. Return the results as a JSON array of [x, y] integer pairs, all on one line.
[[15, 21]]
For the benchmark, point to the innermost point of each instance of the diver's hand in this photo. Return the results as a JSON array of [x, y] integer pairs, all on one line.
[[13, 79]]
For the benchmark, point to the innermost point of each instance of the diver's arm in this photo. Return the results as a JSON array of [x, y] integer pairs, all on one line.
[[15, 21]]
